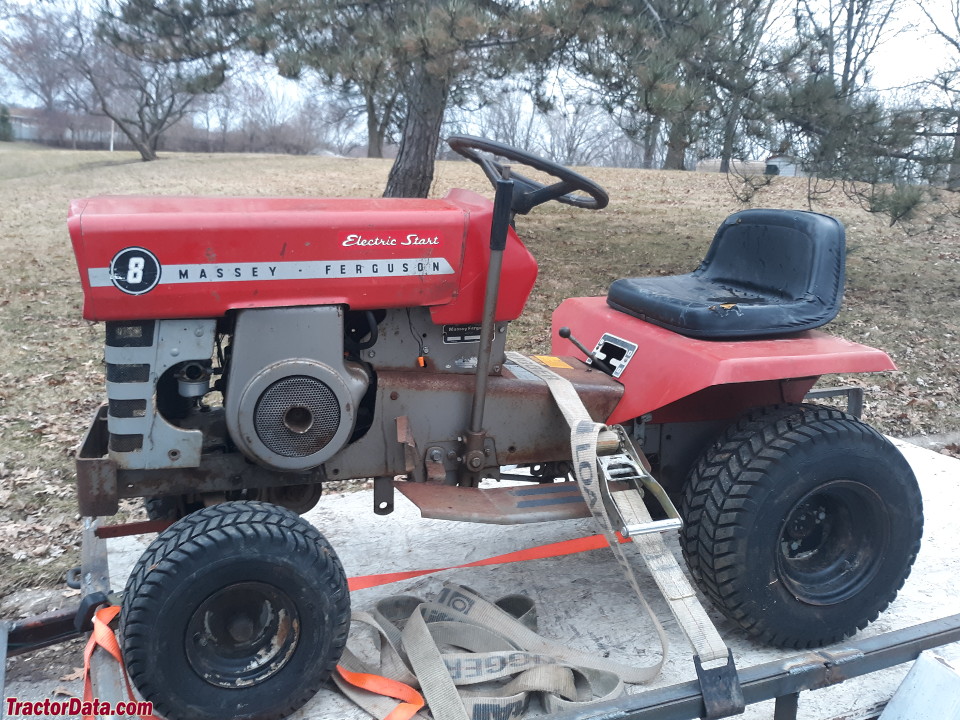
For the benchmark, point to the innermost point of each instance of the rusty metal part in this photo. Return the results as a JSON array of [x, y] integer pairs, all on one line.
[[383, 495], [498, 506], [96, 474], [105, 532], [433, 463], [218, 472], [42, 630], [100, 483], [474, 460], [52, 627], [519, 414], [406, 439], [415, 411]]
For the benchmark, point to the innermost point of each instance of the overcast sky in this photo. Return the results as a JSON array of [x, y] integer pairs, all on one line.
[[914, 54]]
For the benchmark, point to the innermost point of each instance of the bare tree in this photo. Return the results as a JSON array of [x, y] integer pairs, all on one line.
[[144, 92], [577, 133], [846, 34], [506, 115], [31, 52], [337, 130], [947, 84]]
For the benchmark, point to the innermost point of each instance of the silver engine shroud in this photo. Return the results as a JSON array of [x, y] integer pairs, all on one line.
[[291, 398]]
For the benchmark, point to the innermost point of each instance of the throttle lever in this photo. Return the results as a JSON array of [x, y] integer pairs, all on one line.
[[592, 359]]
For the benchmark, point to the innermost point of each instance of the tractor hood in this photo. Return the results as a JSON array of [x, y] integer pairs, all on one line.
[[176, 257]]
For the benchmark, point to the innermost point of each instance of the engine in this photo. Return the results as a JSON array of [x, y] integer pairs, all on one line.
[[291, 398]]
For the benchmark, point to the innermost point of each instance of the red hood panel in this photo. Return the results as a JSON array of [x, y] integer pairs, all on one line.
[[167, 257]]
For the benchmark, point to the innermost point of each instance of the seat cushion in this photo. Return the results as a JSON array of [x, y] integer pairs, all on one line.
[[767, 273]]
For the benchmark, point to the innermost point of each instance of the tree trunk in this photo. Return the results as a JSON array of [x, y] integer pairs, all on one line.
[[374, 138], [147, 153], [650, 139], [412, 171], [729, 135], [953, 177], [677, 144]]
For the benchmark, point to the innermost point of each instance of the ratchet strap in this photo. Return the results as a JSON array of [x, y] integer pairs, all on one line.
[[477, 660], [103, 637], [666, 572], [472, 660]]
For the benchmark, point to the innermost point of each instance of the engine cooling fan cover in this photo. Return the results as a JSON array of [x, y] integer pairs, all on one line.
[[297, 414]]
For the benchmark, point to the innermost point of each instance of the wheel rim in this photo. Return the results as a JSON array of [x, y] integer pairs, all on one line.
[[242, 634], [832, 542]]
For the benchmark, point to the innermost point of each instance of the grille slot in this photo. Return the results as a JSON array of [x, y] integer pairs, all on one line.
[[128, 373], [130, 334], [128, 408], [126, 443], [297, 416]]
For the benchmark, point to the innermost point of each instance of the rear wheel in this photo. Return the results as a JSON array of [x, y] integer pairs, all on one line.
[[239, 610], [802, 524]]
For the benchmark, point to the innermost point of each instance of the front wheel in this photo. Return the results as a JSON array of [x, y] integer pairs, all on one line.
[[802, 524], [239, 610]]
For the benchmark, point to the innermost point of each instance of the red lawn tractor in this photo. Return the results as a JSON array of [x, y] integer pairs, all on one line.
[[257, 348]]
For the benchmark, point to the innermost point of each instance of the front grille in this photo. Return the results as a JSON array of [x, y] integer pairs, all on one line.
[[297, 416]]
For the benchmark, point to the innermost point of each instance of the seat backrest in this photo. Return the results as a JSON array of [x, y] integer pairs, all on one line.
[[784, 254]]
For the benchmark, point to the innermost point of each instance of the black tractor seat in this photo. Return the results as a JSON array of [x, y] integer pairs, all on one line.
[[767, 273]]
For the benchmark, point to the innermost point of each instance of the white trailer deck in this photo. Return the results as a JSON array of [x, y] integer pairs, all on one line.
[[584, 601]]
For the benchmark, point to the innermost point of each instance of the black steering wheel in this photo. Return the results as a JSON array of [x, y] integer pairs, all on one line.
[[527, 193]]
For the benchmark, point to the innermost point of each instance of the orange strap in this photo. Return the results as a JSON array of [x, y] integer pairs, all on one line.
[[557, 549], [104, 637], [411, 700]]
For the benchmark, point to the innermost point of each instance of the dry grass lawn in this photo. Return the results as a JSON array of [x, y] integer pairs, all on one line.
[[902, 296]]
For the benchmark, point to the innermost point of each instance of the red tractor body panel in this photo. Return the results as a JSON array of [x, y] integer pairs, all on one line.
[[669, 366], [188, 257]]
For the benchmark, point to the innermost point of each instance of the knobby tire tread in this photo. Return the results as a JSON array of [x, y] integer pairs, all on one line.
[[722, 484], [225, 524]]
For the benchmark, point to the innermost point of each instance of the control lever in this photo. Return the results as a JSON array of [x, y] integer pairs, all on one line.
[[592, 359]]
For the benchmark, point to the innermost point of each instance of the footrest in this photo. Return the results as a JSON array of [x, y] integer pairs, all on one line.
[[498, 506]]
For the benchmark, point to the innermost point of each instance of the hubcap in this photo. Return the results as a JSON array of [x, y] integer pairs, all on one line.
[[831, 542], [242, 634]]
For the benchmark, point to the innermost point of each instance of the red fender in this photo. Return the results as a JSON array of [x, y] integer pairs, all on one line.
[[679, 378]]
